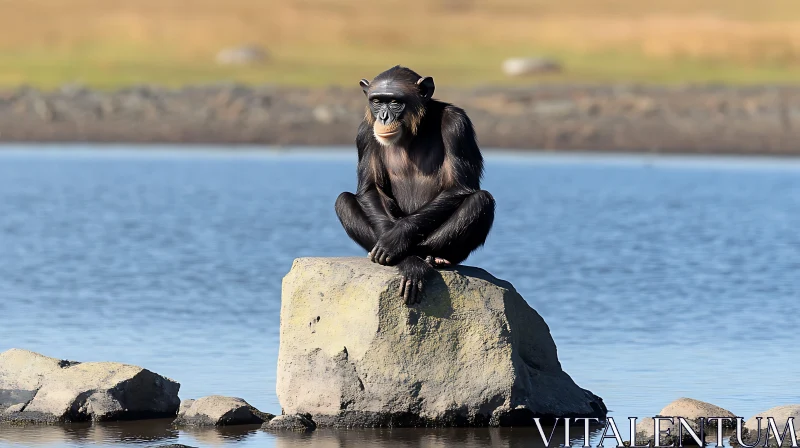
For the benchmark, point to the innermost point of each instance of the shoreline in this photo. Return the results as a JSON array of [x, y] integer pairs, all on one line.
[[133, 151], [626, 119]]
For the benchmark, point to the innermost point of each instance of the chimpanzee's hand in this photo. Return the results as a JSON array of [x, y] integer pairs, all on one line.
[[391, 247], [414, 271]]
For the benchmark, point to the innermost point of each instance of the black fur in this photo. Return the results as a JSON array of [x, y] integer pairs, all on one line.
[[419, 197]]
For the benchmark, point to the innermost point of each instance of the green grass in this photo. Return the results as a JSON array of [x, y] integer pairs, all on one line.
[[113, 43], [452, 67]]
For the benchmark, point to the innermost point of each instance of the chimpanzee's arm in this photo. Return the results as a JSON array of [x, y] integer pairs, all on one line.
[[462, 171]]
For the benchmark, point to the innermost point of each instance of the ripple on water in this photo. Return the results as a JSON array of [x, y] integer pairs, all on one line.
[[658, 277]]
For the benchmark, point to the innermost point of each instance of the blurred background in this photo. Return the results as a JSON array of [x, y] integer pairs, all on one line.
[[699, 76], [114, 43]]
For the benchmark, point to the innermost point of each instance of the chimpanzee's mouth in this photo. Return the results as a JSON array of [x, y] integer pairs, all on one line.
[[388, 134]]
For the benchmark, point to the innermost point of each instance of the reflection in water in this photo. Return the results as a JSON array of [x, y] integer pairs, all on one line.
[[79, 434], [221, 436], [147, 433], [155, 433], [43, 434], [433, 438]]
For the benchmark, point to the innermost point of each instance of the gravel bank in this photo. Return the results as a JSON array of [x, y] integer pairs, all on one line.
[[695, 119]]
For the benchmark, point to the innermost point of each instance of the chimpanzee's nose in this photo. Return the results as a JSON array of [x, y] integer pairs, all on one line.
[[383, 116]]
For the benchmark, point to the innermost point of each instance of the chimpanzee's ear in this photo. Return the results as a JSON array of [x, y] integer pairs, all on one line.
[[364, 85], [426, 87]]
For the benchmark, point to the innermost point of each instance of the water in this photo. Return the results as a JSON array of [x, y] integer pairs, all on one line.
[[659, 277]]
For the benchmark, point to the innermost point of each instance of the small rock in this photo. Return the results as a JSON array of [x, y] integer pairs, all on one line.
[[555, 108], [74, 90], [217, 410], [691, 410], [243, 55], [781, 415], [38, 389], [327, 114], [44, 110], [293, 422], [646, 106], [530, 66], [324, 114]]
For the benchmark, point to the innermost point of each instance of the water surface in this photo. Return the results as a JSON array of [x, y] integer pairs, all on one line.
[[659, 277]]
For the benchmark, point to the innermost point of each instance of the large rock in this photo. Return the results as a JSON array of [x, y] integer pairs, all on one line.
[[781, 415], [690, 409], [473, 353], [216, 410], [38, 389]]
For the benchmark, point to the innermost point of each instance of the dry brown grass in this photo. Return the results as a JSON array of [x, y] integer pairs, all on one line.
[[112, 42]]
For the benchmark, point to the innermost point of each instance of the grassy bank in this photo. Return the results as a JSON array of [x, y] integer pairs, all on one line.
[[109, 43]]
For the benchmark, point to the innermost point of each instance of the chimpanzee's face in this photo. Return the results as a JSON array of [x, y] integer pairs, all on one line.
[[387, 105], [397, 99]]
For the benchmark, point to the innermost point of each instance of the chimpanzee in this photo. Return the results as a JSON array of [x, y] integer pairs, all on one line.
[[419, 204]]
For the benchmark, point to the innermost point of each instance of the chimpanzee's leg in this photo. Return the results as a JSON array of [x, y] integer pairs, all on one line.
[[363, 218], [463, 232], [355, 221]]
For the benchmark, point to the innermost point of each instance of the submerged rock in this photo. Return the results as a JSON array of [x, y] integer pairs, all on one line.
[[38, 389], [472, 353], [294, 422], [691, 410], [217, 410]]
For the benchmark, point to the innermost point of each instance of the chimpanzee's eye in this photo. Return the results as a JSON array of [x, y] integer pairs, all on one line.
[[394, 101], [376, 101]]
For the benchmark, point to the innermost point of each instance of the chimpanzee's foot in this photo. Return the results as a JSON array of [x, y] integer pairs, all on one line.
[[437, 262], [413, 272]]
